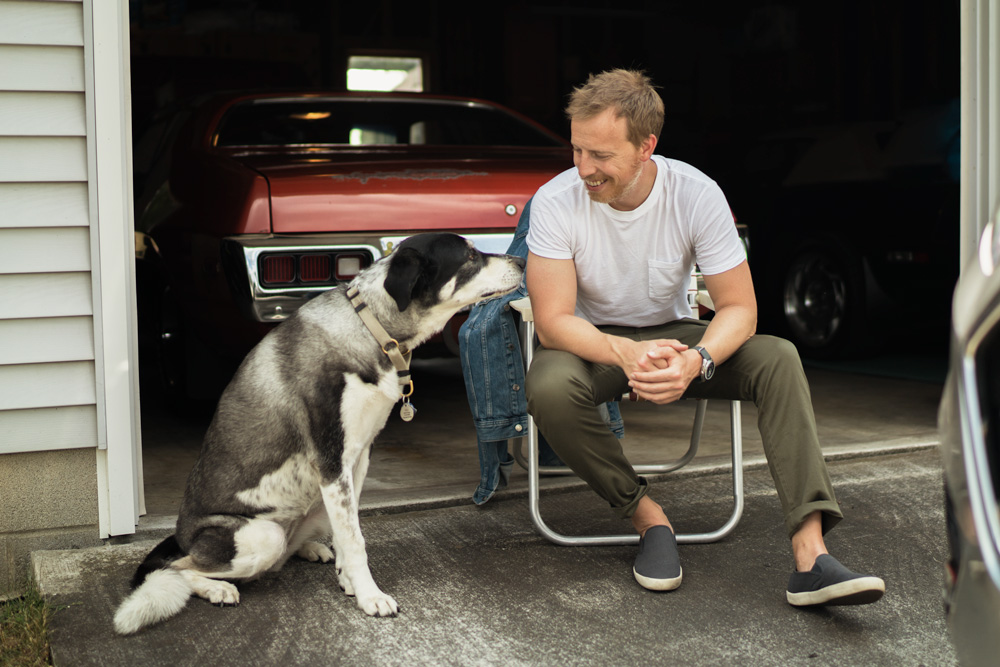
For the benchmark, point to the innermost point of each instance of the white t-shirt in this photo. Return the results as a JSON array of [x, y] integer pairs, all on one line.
[[633, 268]]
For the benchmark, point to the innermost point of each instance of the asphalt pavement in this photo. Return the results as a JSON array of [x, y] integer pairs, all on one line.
[[478, 586]]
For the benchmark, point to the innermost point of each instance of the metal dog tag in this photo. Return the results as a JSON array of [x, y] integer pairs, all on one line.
[[406, 411]]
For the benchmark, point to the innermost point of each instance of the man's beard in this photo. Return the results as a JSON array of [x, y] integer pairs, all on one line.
[[620, 191]]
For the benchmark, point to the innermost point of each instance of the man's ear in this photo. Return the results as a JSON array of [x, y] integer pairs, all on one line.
[[402, 277], [647, 147]]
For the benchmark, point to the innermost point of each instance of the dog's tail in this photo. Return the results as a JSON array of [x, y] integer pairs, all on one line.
[[159, 591]]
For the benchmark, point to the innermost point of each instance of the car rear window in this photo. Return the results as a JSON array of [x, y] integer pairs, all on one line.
[[367, 122]]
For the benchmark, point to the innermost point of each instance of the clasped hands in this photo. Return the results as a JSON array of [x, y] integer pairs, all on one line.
[[660, 370]]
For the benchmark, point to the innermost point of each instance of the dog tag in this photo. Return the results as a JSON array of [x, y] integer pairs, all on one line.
[[406, 411]]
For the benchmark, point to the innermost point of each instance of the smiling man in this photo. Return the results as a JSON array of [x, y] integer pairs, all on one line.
[[612, 243]]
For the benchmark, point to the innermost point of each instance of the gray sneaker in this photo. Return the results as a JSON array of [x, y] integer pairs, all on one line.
[[830, 583], [658, 567]]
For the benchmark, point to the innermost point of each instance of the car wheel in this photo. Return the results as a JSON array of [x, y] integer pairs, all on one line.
[[820, 298]]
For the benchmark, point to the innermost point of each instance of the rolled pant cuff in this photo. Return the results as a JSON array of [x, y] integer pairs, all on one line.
[[831, 515], [626, 511]]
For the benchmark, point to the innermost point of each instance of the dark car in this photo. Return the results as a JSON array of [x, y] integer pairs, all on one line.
[[249, 204], [855, 229], [969, 422]]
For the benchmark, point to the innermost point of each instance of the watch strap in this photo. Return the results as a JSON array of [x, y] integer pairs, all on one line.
[[706, 363]]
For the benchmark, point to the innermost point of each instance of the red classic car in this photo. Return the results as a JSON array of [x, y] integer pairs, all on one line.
[[249, 204]]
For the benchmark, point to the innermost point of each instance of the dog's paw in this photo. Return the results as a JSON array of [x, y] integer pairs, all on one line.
[[345, 583], [314, 551], [378, 605], [221, 593]]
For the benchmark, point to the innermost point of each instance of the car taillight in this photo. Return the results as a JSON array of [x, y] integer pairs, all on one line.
[[277, 269], [314, 268], [349, 266]]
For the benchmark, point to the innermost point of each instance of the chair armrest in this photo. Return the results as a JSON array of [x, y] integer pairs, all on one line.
[[523, 306]]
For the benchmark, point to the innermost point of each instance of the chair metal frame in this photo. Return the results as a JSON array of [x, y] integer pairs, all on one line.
[[523, 307]]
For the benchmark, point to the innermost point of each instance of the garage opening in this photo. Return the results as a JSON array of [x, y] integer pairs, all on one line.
[[385, 73]]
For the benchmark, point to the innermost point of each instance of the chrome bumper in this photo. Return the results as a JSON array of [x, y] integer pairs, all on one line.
[[241, 255]]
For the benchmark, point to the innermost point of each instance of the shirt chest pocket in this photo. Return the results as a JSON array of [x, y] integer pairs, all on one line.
[[667, 278]]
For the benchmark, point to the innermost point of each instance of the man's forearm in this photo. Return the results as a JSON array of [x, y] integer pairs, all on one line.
[[576, 335], [735, 319], [729, 329]]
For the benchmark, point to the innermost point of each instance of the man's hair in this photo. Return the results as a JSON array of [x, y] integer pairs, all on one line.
[[629, 92]]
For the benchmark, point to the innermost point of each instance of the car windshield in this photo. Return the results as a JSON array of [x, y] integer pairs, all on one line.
[[374, 122]]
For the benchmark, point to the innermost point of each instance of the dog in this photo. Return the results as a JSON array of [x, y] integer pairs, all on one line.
[[285, 456]]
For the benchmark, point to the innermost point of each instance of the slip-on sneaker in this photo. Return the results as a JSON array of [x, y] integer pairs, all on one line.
[[658, 567], [830, 583]]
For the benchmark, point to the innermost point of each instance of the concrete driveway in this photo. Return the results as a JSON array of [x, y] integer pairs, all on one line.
[[478, 585]]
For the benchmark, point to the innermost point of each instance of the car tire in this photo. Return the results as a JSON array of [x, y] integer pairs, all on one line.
[[822, 299]]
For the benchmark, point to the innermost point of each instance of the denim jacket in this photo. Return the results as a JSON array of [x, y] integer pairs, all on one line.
[[492, 365]]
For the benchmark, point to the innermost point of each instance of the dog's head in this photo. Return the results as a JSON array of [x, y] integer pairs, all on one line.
[[447, 270]]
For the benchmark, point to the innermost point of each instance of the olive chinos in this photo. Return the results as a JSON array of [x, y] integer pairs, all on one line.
[[563, 390]]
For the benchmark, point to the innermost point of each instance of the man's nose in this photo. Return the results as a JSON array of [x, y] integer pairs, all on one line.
[[584, 166]]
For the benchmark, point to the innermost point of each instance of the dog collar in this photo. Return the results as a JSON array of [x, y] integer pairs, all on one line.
[[398, 354]]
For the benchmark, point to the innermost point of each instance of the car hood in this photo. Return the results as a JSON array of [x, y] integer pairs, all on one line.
[[371, 191]]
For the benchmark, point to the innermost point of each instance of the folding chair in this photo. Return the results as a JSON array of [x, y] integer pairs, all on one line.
[[523, 307]]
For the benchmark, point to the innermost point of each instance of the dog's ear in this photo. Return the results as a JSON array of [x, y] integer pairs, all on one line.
[[403, 275]]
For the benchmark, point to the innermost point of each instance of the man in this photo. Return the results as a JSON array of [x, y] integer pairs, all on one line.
[[611, 246]]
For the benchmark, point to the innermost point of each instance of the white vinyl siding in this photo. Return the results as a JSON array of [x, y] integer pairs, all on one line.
[[44, 250], [38, 341], [43, 158], [980, 182], [48, 385], [46, 429], [44, 204], [46, 295], [41, 23], [68, 376], [43, 114], [58, 68]]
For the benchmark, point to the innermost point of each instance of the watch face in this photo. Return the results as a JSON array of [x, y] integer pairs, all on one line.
[[709, 370]]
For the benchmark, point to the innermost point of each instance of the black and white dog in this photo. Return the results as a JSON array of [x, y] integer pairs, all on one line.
[[283, 461]]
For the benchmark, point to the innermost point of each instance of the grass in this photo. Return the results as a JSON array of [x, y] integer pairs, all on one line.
[[24, 629]]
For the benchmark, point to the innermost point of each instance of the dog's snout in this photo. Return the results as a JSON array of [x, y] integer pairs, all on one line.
[[518, 261]]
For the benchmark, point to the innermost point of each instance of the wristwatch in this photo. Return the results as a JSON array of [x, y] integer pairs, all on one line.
[[707, 365]]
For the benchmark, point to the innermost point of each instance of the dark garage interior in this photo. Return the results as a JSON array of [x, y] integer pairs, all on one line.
[[832, 127]]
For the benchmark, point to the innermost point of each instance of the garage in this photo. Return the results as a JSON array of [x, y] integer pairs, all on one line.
[[786, 106]]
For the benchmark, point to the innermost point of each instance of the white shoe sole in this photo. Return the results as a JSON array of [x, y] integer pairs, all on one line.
[[658, 584], [862, 590]]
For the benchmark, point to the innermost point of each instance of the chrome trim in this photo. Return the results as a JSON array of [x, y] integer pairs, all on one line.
[[368, 99], [494, 244], [274, 304]]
